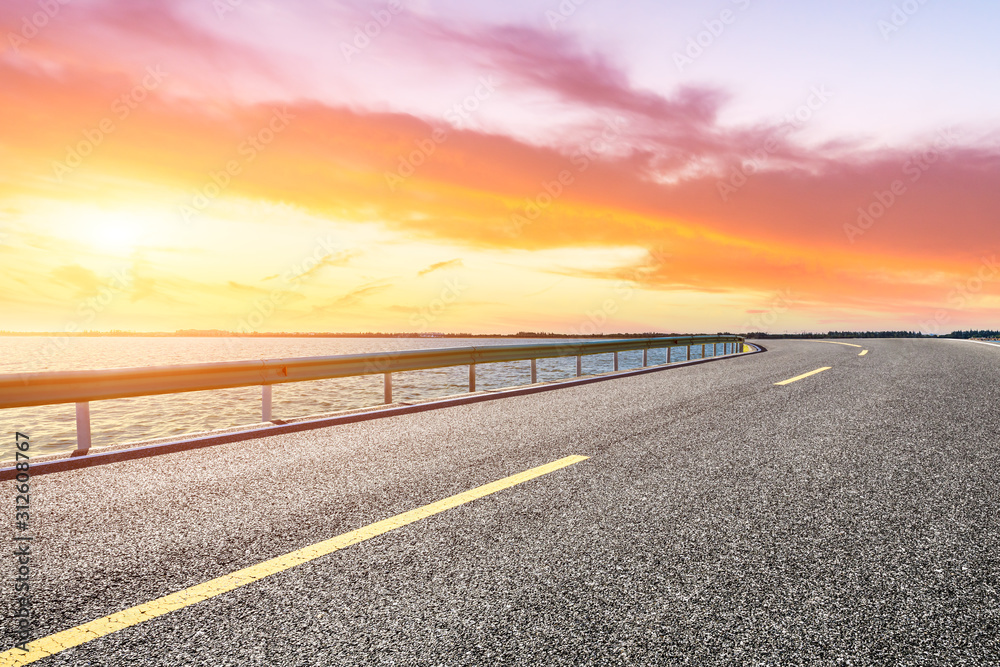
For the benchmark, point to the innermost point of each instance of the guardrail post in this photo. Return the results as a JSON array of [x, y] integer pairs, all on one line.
[[472, 378], [265, 402], [645, 357], [388, 388], [534, 371], [702, 350], [616, 361], [82, 428], [670, 353], [689, 353], [579, 365]]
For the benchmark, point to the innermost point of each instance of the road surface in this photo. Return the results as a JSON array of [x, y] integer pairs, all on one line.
[[848, 517]]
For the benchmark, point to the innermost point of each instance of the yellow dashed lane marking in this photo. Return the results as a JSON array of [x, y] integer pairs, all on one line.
[[862, 353], [804, 375], [60, 641]]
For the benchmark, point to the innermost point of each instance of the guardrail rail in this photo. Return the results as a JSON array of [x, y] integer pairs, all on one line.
[[82, 387]]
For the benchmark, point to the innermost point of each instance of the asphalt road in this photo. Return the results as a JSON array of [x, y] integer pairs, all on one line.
[[848, 518]]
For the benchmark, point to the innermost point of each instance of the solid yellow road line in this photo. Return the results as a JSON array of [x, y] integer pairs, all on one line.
[[60, 641], [862, 353], [834, 342], [804, 375]]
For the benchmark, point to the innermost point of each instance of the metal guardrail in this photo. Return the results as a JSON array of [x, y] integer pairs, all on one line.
[[82, 387]]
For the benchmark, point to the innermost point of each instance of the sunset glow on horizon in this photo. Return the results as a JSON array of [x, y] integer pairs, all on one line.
[[434, 166]]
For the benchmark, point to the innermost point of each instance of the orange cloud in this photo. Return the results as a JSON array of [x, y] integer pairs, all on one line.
[[440, 265]]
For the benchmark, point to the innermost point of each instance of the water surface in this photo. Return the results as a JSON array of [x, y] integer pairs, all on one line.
[[52, 428]]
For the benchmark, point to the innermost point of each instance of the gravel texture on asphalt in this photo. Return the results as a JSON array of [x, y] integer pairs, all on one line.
[[850, 518]]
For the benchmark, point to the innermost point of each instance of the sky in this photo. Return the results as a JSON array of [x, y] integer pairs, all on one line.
[[577, 166]]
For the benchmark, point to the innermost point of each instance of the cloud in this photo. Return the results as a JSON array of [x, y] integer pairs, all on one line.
[[557, 64], [84, 280], [655, 187], [355, 296], [240, 287], [673, 135], [544, 289], [440, 265], [151, 32], [341, 258]]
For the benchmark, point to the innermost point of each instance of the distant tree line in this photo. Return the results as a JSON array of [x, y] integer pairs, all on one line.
[[843, 334], [975, 333], [208, 333], [972, 333]]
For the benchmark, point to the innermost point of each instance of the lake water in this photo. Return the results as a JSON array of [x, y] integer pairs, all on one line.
[[52, 428]]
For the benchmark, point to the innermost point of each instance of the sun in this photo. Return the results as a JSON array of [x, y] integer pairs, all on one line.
[[113, 232], [117, 237]]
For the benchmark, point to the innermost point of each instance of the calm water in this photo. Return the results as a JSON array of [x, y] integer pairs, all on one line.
[[53, 428]]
